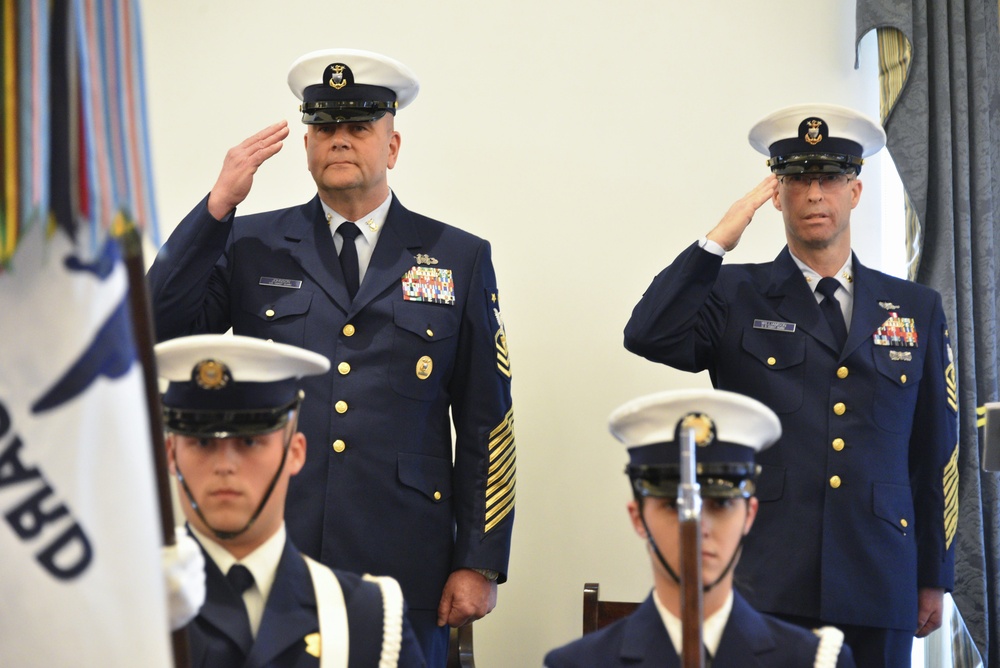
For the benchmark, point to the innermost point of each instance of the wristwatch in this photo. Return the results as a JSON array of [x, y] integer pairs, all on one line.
[[487, 573]]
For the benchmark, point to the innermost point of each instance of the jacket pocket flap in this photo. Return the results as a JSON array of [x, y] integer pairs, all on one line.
[[429, 475], [428, 321], [282, 306]]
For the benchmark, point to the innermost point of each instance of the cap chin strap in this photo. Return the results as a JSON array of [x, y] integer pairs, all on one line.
[[705, 588], [229, 535]]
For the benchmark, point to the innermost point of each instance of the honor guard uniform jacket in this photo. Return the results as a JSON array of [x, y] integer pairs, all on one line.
[[373, 630], [750, 640]]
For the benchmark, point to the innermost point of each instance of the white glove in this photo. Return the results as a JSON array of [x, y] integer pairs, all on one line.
[[184, 571]]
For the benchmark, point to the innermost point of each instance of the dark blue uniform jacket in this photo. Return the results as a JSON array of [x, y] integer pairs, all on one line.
[[380, 492], [220, 637], [750, 640], [859, 496]]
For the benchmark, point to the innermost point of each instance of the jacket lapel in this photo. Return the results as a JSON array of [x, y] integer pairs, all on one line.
[[290, 612], [311, 245], [645, 641], [393, 255], [745, 637], [867, 315], [796, 302]]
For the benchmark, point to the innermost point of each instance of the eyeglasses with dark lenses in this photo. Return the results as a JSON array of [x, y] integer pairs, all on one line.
[[828, 183]]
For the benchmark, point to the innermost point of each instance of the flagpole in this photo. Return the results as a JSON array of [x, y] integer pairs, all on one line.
[[142, 323]]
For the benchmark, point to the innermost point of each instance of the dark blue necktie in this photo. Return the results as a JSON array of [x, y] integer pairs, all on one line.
[[831, 309], [349, 257], [240, 578]]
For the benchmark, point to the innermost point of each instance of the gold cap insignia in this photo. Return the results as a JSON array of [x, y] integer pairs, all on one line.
[[336, 76], [813, 136], [211, 375], [704, 428]]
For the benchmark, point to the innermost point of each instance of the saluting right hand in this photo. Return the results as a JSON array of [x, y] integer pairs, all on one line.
[[241, 163], [730, 229]]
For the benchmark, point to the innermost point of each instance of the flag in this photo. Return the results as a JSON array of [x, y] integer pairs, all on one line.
[[81, 582]]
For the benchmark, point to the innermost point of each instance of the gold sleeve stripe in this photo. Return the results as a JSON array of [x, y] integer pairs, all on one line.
[[497, 514], [501, 468], [980, 417], [951, 498], [503, 485], [502, 472]]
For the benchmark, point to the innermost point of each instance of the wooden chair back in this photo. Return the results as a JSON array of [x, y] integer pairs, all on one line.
[[597, 613]]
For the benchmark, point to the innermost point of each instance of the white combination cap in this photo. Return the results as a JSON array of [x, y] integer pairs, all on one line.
[[816, 137], [344, 85]]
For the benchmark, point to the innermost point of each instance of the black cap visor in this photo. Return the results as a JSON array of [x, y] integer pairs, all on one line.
[[226, 423], [717, 481], [824, 163], [323, 112]]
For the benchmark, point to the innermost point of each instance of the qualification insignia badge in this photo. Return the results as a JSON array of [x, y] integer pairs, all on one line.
[[429, 284]]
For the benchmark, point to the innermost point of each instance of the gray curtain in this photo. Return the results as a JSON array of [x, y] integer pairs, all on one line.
[[943, 125]]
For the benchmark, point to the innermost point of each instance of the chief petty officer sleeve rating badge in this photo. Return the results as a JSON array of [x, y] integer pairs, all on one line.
[[500, 339]]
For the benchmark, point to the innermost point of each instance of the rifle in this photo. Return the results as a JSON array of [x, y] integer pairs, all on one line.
[[689, 514]]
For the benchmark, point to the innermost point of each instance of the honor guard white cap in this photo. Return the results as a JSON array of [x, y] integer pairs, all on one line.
[[729, 430], [222, 386]]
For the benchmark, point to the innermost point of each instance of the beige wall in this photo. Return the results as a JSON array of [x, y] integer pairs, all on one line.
[[590, 142]]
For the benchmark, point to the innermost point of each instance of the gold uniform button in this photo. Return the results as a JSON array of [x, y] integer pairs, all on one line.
[[437, 496], [269, 313], [838, 444], [902, 378], [348, 329], [903, 523], [835, 481], [344, 368], [430, 332], [771, 361], [340, 406], [339, 446], [842, 372], [839, 408]]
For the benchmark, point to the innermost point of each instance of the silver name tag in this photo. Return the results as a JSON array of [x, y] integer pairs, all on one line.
[[774, 325], [280, 282]]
